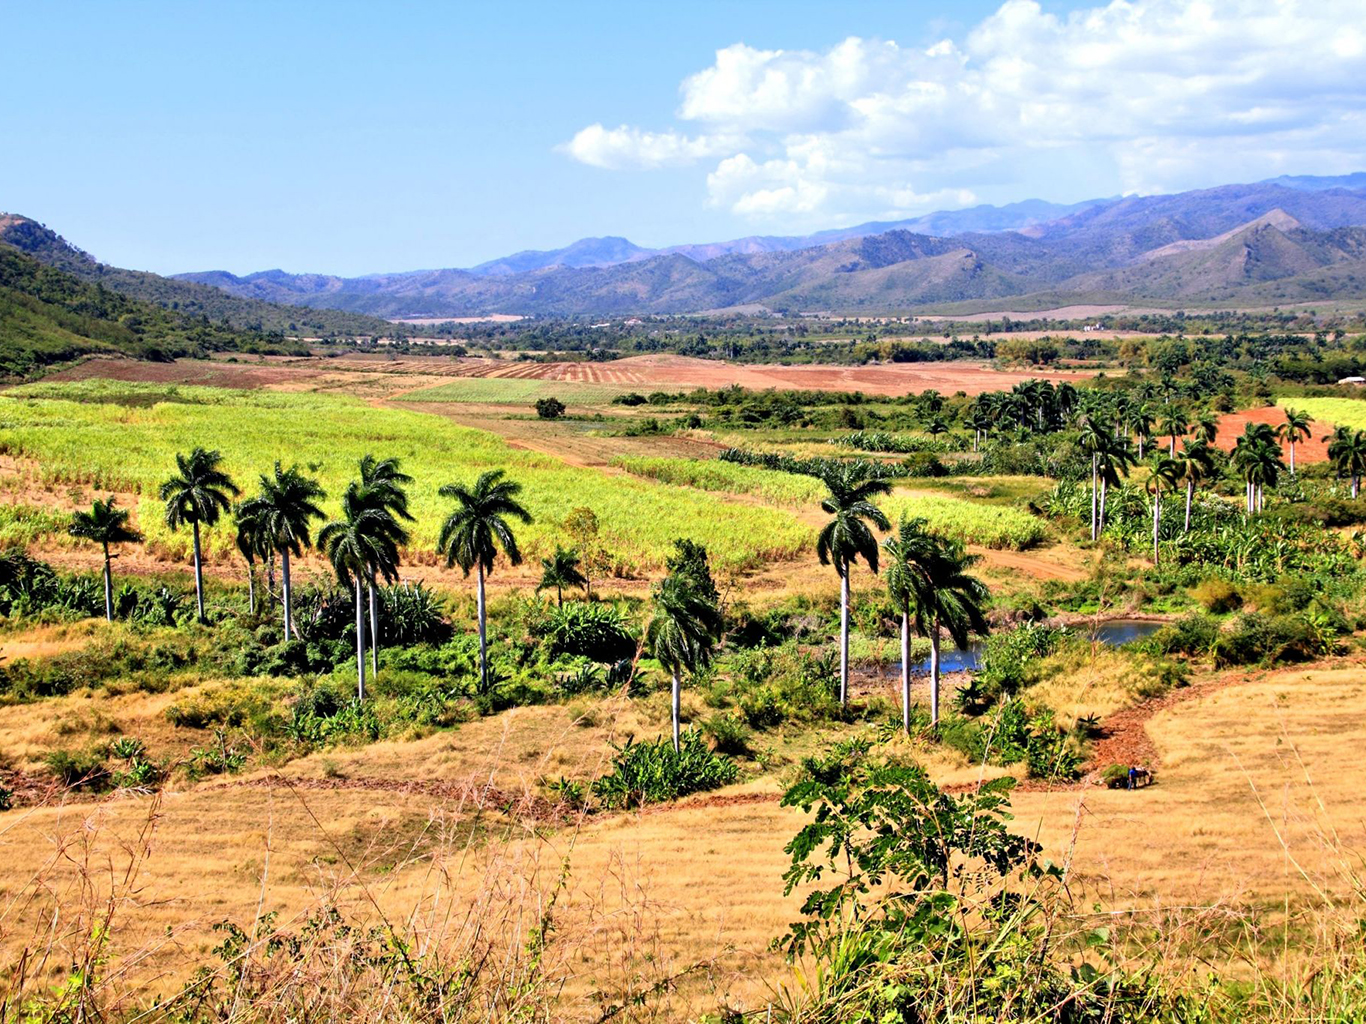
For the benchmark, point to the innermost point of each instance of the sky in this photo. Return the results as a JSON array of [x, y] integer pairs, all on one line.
[[355, 138]]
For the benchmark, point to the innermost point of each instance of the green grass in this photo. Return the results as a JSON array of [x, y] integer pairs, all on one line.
[[119, 436], [992, 526], [1341, 412], [715, 475], [517, 390], [22, 525]]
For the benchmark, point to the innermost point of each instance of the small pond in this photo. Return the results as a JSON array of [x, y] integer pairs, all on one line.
[[1111, 632]]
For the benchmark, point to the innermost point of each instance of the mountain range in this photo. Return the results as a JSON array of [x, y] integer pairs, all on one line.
[[1286, 240]]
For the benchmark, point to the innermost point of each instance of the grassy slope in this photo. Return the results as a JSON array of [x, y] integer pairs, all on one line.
[[1341, 412], [120, 436]]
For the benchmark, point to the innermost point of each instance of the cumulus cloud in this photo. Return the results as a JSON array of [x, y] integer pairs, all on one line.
[[1163, 93]]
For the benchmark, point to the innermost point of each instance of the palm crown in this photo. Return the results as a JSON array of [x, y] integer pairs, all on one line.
[[363, 541], [104, 524], [846, 537], [279, 516], [471, 534], [199, 492]]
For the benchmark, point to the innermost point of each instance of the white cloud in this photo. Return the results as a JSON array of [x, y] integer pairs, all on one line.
[[1164, 93]]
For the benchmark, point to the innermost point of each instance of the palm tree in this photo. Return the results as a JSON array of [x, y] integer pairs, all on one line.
[[681, 633], [1095, 439], [944, 596], [105, 524], [846, 538], [1295, 428], [361, 541], [980, 421], [1174, 423], [907, 552], [561, 570], [1141, 425], [1206, 427], [1257, 456], [1115, 461], [198, 493], [1163, 477], [281, 514], [471, 533], [251, 545], [1195, 466], [1347, 449], [936, 426], [383, 483]]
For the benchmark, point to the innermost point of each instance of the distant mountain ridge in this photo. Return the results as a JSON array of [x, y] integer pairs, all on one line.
[[1294, 239]]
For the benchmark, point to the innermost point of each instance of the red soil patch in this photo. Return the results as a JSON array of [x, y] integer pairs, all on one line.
[[1314, 449]]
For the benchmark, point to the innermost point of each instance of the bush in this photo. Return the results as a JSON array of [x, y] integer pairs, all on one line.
[[1193, 635], [652, 772], [729, 733], [549, 408], [1217, 596], [78, 769], [598, 632]]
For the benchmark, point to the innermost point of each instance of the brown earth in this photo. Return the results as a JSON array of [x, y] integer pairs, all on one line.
[[1313, 449]]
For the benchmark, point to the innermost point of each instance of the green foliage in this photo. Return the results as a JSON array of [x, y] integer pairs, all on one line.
[[1217, 595], [651, 772], [1013, 734], [78, 769], [599, 632], [1007, 656], [549, 408], [729, 733]]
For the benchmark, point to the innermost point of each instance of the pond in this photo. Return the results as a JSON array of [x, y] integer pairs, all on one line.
[[1110, 632]]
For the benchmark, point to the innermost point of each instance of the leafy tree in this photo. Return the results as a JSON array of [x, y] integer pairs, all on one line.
[[1257, 457], [1115, 460], [280, 515], [1141, 425], [681, 633], [472, 533], [384, 485], [104, 524], [1206, 428], [561, 570], [582, 526], [358, 543], [1094, 441], [199, 493], [846, 538], [1174, 423], [1296, 428], [549, 408]]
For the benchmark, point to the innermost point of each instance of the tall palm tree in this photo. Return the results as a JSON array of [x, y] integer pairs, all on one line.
[[199, 493], [1195, 466], [681, 633], [561, 570], [281, 513], [250, 544], [1095, 439], [907, 553], [1141, 425], [979, 419], [1347, 449], [1163, 477], [1206, 427], [383, 483], [471, 533], [1257, 457], [1295, 428], [1116, 459], [105, 524], [361, 540], [846, 538], [1173, 422], [949, 598]]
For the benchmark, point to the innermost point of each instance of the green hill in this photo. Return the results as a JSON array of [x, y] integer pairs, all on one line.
[[48, 316]]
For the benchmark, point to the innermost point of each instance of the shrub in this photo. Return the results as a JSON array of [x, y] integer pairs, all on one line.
[[729, 733], [1217, 596], [82, 769], [653, 772], [596, 631], [411, 614], [763, 708], [549, 408]]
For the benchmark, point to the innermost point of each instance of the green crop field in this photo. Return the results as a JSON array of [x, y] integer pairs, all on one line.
[[992, 526], [118, 436], [518, 390], [1341, 412], [715, 475]]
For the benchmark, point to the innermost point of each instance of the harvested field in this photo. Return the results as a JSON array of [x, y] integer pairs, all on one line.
[[1313, 449]]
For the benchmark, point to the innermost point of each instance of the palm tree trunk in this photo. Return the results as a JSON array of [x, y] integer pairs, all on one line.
[[1140, 447], [1292, 458], [270, 577], [108, 587], [1104, 493], [1356, 484], [360, 643], [374, 632], [1157, 518], [559, 596], [906, 671], [198, 574], [285, 592], [1190, 492], [251, 589], [934, 672], [1094, 532], [677, 703], [483, 637], [1171, 449], [844, 636]]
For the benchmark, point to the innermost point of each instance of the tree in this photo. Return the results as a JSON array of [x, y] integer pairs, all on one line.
[[1347, 449], [382, 482], [472, 533], [561, 570], [281, 515], [1257, 457], [1141, 424], [936, 426], [1195, 465], [199, 493], [949, 598], [1206, 428], [582, 526], [1115, 461], [681, 633], [1295, 428], [549, 408], [689, 561], [979, 419], [1174, 423], [846, 538], [104, 524], [363, 539], [906, 553], [1163, 477], [1095, 439], [250, 545]]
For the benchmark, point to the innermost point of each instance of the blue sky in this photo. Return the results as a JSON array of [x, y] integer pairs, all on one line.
[[356, 138]]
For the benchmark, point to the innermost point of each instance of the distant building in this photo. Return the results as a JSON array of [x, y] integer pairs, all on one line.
[[1355, 381]]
